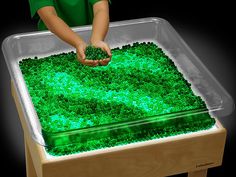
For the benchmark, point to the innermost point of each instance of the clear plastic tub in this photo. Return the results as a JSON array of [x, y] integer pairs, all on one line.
[[19, 46]]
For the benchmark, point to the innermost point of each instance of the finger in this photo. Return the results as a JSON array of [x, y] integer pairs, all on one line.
[[90, 63], [107, 60], [101, 62], [107, 49], [86, 62], [104, 62], [81, 52], [96, 62]]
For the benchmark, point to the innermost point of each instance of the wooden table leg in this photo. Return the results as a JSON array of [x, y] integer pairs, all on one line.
[[30, 170], [200, 173]]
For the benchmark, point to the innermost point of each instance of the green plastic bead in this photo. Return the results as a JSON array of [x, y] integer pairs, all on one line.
[[140, 82], [93, 53]]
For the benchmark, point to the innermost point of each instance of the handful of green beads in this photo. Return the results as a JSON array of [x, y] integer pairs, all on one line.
[[94, 53]]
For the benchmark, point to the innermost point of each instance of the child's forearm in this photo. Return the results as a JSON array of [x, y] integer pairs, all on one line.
[[57, 26], [100, 21]]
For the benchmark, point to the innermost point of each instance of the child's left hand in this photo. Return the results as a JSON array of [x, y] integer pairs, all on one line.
[[104, 46]]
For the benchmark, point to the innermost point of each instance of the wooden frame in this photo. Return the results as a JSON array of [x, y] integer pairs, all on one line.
[[191, 153]]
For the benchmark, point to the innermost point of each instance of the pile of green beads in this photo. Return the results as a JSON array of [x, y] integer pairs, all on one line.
[[140, 82], [94, 53]]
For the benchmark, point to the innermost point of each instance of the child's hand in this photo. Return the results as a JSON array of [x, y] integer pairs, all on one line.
[[104, 46], [80, 51]]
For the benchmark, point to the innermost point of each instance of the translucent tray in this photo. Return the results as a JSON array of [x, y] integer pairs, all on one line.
[[19, 46]]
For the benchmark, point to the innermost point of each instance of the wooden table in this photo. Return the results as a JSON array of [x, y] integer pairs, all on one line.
[[190, 153]]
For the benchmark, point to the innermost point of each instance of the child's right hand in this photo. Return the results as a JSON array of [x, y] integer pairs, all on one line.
[[80, 52]]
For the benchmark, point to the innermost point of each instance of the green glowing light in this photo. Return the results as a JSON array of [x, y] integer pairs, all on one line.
[[140, 82]]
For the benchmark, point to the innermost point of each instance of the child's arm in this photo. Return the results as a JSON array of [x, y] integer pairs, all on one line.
[[57, 26], [100, 27]]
